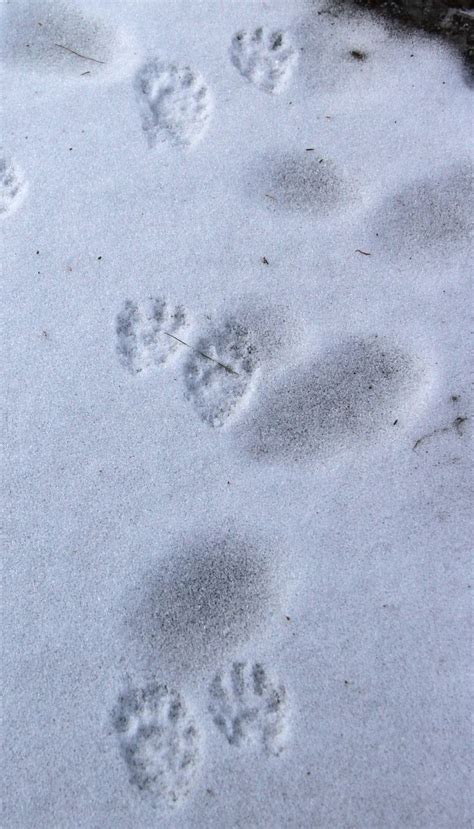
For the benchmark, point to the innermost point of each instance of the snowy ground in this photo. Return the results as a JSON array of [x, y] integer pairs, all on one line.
[[236, 247]]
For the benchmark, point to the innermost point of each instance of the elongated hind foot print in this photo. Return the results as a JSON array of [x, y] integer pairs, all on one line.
[[428, 214], [265, 58], [204, 601], [175, 103], [56, 38], [158, 741], [304, 183], [148, 333], [351, 394], [247, 708]]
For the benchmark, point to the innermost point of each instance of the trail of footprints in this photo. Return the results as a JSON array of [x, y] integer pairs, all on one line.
[[354, 389], [194, 608], [175, 102], [161, 744]]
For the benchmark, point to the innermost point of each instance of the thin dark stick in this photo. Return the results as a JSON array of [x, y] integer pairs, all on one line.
[[60, 46], [222, 365]]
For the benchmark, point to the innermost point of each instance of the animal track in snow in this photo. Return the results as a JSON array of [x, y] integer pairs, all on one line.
[[219, 370], [175, 103], [352, 392], [265, 58], [304, 183], [146, 333], [12, 186], [434, 213], [202, 601], [59, 38], [247, 707], [158, 741]]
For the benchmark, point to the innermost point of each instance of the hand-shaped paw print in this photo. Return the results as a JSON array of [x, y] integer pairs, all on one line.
[[219, 370], [247, 707], [147, 333], [266, 58], [175, 103], [158, 741]]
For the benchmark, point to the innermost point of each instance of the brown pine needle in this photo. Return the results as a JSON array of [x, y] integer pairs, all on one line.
[[222, 365], [363, 252], [85, 57]]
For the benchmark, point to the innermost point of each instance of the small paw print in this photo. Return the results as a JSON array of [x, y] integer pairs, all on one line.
[[13, 186], [265, 58], [158, 741], [175, 103], [147, 333], [246, 707], [218, 371]]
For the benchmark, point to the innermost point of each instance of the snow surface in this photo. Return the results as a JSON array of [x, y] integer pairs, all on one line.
[[236, 585]]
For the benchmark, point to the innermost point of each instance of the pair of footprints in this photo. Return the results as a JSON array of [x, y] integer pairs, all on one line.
[[175, 101], [219, 365], [160, 741]]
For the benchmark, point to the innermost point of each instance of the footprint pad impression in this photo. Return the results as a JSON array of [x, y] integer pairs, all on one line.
[[265, 58], [218, 372], [247, 707], [158, 741], [147, 333], [175, 103]]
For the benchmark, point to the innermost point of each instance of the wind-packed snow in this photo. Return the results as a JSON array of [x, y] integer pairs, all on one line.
[[236, 240]]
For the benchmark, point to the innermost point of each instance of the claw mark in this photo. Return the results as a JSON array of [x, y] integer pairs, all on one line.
[[238, 678], [258, 674]]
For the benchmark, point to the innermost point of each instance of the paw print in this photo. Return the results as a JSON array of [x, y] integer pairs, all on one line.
[[218, 372], [13, 186], [265, 58], [247, 707], [175, 103], [158, 741], [147, 333]]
